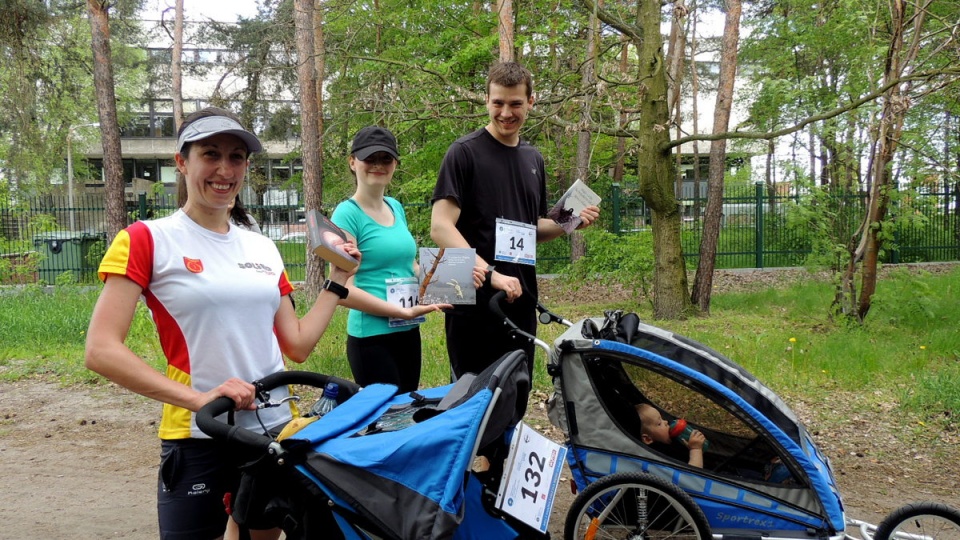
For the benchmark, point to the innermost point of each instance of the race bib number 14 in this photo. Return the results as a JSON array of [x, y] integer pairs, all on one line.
[[516, 242]]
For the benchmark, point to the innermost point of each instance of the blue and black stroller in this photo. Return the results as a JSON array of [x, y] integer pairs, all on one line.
[[381, 464]]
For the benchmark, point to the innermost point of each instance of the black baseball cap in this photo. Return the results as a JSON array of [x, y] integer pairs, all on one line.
[[373, 139]]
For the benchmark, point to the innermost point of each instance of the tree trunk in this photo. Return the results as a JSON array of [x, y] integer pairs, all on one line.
[[310, 136], [619, 165], [954, 186], [107, 110], [320, 65], [176, 72], [675, 57], [587, 83], [656, 171], [703, 282], [505, 27], [695, 115], [889, 128]]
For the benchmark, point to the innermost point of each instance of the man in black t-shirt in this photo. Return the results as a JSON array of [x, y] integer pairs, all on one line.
[[491, 196]]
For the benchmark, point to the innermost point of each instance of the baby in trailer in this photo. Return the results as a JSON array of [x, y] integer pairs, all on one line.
[[655, 432]]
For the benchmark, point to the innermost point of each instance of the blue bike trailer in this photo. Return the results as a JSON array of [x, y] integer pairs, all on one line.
[[763, 475]]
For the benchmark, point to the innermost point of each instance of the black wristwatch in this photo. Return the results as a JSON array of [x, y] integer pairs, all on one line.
[[488, 275], [335, 288]]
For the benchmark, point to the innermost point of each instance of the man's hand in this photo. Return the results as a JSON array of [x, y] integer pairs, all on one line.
[[588, 216], [507, 284], [479, 275]]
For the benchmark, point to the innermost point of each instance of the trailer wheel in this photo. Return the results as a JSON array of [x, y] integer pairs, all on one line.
[[634, 506], [920, 521]]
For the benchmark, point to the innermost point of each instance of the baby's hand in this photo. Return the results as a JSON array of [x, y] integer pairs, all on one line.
[[697, 440]]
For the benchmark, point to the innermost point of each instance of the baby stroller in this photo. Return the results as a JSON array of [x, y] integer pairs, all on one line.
[[763, 476], [382, 464]]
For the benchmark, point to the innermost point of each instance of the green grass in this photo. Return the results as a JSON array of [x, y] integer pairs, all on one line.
[[909, 348]]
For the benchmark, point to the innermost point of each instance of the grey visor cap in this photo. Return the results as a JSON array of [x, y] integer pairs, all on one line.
[[215, 125]]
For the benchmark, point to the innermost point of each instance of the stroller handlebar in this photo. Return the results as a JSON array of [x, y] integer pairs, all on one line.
[[515, 331], [546, 316], [220, 430], [207, 422]]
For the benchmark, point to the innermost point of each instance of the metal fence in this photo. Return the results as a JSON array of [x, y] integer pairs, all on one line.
[[759, 229]]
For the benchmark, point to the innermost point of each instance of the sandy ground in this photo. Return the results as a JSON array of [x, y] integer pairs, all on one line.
[[80, 462]]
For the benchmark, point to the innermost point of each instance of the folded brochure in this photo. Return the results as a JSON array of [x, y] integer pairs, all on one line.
[[567, 210]]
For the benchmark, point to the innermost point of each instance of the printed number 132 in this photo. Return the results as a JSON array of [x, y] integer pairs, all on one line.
[[533, 476]]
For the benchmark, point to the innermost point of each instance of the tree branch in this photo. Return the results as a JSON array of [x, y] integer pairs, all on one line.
[[757, 135]]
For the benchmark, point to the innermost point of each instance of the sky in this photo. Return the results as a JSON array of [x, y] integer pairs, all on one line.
[[218, 10]]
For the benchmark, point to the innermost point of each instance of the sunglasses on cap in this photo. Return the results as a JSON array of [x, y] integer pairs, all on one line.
[[380, 158]]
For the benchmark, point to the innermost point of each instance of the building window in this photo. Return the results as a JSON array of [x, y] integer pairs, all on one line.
[[139, 126]]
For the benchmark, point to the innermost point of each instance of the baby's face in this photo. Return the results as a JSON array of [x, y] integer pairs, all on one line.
[[654, 424]]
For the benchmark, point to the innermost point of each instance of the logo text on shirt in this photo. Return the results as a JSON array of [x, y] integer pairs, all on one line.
[[262, 268]]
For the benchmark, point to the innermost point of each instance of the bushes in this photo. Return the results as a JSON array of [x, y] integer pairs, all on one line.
[[626, 260], [19, 268]]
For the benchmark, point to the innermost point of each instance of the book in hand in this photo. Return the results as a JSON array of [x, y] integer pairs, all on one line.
[[446, 276], [567, 210], [326, 240]]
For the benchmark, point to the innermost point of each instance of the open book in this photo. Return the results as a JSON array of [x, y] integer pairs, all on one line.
[[446, 276], [326, 240], [567, 210]]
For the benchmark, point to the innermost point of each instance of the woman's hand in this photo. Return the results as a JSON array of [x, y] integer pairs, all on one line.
[[422, 309], [241, 392], [341, 276]]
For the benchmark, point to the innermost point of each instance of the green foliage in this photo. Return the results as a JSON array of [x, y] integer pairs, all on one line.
[[18, 266], [910, 300], [625, 260], [41, 223], [95, 252], [48, 87], [65, 279]]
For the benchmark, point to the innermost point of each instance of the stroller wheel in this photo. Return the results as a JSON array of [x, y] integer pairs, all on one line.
[[920, 521], [634, 506]]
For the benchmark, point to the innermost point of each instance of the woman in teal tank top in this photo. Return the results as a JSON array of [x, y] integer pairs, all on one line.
[[383, 327]]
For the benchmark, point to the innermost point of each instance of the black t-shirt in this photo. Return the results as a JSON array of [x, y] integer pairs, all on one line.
[[489, 180]]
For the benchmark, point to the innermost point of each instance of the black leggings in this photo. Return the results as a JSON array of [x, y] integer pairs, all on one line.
[[388, 358]]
